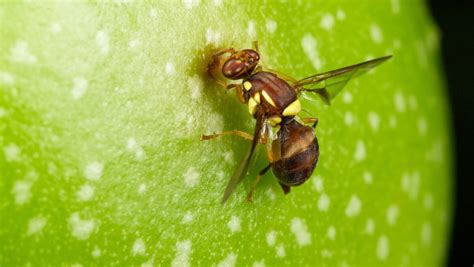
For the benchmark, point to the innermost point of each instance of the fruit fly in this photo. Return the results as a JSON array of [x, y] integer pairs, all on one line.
[[272, 99]]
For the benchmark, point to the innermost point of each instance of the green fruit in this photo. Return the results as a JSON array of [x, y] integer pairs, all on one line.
[[102, 106]]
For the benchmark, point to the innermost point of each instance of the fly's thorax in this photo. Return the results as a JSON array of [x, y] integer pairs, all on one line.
[[273, 94]]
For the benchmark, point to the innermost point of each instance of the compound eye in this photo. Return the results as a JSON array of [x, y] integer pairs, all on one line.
[[235, 69]]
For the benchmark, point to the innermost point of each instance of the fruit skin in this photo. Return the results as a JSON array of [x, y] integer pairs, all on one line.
[[102, 106]]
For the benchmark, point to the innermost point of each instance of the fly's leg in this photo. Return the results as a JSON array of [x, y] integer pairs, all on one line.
[[286, 188], [254, 185], [219, 53], [255, 46], [244, 135], [310, 120], [214, 68], [238, 91]]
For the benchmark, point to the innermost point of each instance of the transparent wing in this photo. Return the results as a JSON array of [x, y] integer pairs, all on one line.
[[240, 172], [327, 85]]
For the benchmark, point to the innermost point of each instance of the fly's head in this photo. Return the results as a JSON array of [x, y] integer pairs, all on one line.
[[240, 64]]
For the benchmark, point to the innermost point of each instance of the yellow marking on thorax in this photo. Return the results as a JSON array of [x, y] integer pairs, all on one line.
[[274, 120], [292, 109], [256, 96], [252, 105], [268, 98], [247, 85]]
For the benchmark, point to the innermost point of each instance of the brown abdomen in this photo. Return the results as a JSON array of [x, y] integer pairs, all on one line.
[[297, 152]]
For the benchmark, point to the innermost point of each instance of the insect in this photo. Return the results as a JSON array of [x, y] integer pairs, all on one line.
[[272, 99]]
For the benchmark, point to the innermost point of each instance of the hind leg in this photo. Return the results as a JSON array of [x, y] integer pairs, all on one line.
[[257, 180]]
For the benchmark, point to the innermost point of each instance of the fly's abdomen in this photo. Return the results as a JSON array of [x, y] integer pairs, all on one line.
[[297, 168]]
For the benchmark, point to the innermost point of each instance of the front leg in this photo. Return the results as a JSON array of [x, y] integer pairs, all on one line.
[[214, 68], [238, 91], [244, 135]]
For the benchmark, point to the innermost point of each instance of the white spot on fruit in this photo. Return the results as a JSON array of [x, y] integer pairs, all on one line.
[[400, 104], [20, 53], [347, 97], [189, 4], [348, 118], [195, 86], [36, 225], [318, 183], [229, 156], [331, 233], [102, 40], [326, 253], [135, 148], [310, 48], [340, 15], [251, 32], [96, 252], [374, 121], [183, 251], [428, 201], [79, 87], [6, 78], [234, 224], [368, 178], [395, 6], [153, 13], [12, 152], [360, 152], [229, 261], [138, 247], [271, 25], [169, 68], [191, 177], [422, 126], [323, 202], [85, 193], [382, 248], [327, 22], [376, 33], [22, 192], [426, 233], [270, 194], [369, 226], [280, 251], [80, 229], [392, 214], [300, 231], [93, 170], [354, 206], [134, 43], [55, 27], [212, 37], [142, 189], [410, 184], [413, 103], [271, 238], [187, 218]]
